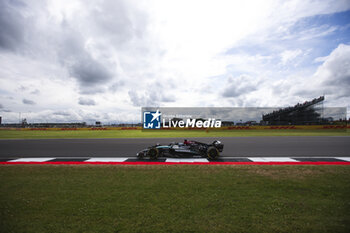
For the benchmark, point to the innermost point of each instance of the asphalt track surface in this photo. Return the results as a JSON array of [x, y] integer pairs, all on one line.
[[301, 146]]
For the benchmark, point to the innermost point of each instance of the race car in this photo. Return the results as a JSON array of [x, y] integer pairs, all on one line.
[[185, 149]]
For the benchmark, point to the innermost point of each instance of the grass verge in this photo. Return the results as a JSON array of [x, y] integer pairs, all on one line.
[[174, 198], [13, 134]]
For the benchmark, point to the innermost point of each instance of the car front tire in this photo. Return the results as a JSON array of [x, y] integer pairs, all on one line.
[[140, 155]]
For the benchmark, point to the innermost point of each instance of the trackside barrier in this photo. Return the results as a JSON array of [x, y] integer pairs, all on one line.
[[283, 127], [335, 127], [239, 127]]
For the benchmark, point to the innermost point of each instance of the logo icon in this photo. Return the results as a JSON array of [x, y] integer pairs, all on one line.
[[151, 120]]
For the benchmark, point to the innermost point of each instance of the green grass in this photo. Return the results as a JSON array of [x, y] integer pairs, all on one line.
[[39, 198], [14, 134]]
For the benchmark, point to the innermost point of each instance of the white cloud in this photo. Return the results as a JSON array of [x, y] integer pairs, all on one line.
[[320, 59], [29, 102], [237, 86], [290, 55], [332, 78], [71, 55], [86, 101], [334, 74]]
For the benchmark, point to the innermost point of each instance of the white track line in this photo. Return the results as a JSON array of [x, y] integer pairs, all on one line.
[[106, 159], [172, 160], [344, 158], [272, 159], [31, 160]]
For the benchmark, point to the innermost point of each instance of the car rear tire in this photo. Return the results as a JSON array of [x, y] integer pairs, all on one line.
[[153, 153], [212, 153]]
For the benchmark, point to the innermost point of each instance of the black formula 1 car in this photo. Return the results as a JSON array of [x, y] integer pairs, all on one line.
[[185, 149]]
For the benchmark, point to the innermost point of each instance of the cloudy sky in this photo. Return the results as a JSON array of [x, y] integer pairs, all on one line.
[[64, 61]]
